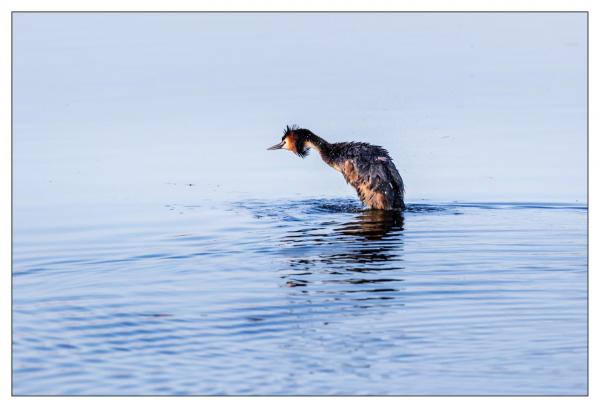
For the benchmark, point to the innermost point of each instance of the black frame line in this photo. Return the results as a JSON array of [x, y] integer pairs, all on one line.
[[587, 13]]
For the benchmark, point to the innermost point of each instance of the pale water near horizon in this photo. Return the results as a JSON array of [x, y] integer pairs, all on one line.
[[297, 297]]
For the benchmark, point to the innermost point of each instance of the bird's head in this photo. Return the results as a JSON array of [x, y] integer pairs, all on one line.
[[295, 140]]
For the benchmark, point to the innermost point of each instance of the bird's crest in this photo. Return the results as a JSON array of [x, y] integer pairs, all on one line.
[[289, 129]]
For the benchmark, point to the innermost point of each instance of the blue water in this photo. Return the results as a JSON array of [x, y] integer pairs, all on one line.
[[243, 296]]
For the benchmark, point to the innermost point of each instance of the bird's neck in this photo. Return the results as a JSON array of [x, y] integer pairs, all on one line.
[[322, 146]]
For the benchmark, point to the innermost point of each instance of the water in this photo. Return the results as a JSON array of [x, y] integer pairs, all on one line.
[[153, 252], [247, 296]]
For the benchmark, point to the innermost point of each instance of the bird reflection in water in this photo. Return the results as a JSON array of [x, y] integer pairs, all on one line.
[[358, 259]]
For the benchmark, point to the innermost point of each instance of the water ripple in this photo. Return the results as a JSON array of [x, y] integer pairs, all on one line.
[[306, 297]]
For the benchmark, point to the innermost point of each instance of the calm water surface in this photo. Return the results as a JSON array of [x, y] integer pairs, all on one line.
[[300, 297]]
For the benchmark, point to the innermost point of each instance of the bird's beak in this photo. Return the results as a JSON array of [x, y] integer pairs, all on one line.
[[277, 146]]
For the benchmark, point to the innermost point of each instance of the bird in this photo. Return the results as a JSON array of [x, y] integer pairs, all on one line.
[[366, 167]]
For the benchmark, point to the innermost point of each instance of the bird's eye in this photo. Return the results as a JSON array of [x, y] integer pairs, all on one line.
[[283, 138]]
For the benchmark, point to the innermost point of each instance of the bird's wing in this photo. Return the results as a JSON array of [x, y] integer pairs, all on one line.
[[381, 175], [395, 177], [373, 166]]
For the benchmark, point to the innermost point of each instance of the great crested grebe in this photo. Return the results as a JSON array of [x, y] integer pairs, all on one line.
[[367, 168]]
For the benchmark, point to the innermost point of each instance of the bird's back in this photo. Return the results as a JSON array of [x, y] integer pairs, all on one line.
[[371, 171]]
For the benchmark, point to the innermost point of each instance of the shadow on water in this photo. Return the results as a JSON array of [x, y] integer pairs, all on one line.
[[355, 259], [374, 225]]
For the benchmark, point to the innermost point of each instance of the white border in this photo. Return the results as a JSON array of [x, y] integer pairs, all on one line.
[[6, 6]]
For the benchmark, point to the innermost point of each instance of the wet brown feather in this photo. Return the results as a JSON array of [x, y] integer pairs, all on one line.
[[371, 171]]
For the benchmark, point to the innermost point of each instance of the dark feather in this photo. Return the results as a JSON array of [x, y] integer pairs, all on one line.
[[371, 166]]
